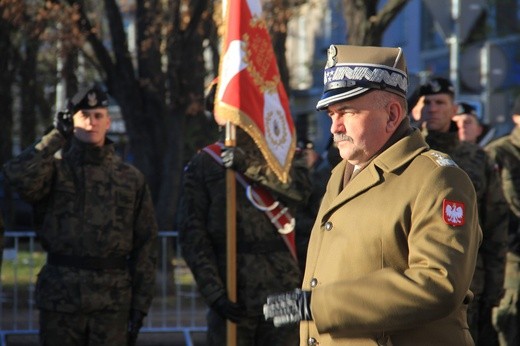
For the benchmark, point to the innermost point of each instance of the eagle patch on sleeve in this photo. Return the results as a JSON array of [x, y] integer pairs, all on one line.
[[453, 212]]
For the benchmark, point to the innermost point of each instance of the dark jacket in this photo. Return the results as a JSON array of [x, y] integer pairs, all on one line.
[[264, 264], [97, 208]]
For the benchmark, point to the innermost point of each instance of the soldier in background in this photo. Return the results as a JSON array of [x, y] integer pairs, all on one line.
[[319, 171], [99, 229], [471, 128], [506, 152], [265, 264], [441, 133]]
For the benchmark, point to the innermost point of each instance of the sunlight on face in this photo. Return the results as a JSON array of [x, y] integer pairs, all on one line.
[[437, 112], [469, 127], [91, 125], [359, 127]]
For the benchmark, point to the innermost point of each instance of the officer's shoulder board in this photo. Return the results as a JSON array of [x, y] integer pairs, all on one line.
[[440, 158]]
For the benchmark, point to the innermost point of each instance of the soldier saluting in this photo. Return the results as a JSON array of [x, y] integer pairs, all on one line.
[[99, 229]]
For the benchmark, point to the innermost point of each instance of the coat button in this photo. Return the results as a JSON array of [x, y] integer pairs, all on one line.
[[328, 226], [312, 342], [314, 282]]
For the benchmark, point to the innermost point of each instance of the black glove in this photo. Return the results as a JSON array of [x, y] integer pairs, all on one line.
[[229, 310], [233, 157], [290, 307], [63, 122], [135, 322]]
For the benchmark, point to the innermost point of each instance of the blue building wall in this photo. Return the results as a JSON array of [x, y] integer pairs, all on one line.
[[427, 53]]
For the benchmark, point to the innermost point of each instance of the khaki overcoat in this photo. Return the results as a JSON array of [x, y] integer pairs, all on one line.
[[388, 262]]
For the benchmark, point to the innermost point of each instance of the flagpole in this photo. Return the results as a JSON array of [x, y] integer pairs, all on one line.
[[231, 236]]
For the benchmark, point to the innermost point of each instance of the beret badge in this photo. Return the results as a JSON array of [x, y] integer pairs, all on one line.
[[92, 99]]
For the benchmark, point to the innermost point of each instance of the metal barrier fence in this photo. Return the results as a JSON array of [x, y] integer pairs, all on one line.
[[177, 306]]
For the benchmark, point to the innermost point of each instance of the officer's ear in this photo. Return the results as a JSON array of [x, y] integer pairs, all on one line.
[[395, 114]]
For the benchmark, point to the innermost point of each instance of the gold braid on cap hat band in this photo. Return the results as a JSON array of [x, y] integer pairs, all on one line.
[[365, 77]]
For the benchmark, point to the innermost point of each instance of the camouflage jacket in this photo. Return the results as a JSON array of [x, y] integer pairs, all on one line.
[[493, 211], [506, 152], [264, 264], [95, 206]]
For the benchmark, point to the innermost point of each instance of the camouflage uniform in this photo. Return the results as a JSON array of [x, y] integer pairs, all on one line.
[[264, 264], [506, 152], [493, 215], [100, 233], [306, 214]]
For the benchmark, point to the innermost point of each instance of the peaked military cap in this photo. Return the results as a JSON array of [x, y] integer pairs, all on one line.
[[438, 85], [516, 106], [88, 98], [353, 70]]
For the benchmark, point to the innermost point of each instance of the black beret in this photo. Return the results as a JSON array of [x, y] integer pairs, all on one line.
[[466, 108], [88, 98], [438, 85]]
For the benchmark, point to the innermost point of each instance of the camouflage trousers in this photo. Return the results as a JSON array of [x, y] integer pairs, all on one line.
[[480, 323], [505, 316], [76, 329], [254, 331]]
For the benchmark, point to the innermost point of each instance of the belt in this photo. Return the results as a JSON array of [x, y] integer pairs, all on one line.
[[88, 263]]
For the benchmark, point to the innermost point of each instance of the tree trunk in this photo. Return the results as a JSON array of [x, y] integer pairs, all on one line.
[[186, 122], [7, 68], [28, 94], [365, 24]]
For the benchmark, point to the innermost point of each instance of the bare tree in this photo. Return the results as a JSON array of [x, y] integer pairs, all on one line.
[[160, 89], [365, 24], [7, 75]]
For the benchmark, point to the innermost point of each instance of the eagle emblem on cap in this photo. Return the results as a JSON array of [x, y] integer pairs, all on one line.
[[92, 99], [332, 56]]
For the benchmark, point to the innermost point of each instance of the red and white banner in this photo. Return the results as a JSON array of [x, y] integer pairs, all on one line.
[[250, 93]]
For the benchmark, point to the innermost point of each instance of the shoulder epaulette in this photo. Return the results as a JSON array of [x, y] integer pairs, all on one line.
[[440, 158]]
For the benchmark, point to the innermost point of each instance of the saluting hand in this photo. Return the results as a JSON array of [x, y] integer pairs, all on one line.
[[63, 122]]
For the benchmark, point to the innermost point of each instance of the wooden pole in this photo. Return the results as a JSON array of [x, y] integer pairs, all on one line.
[[231, 236]]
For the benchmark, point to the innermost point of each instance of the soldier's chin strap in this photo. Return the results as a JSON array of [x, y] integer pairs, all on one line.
[[264, 201]]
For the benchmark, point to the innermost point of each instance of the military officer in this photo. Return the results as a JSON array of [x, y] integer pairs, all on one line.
[[99, 229], [394, 245]]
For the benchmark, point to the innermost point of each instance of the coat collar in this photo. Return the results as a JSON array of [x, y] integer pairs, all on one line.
[[85, 153], [390, 160]]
